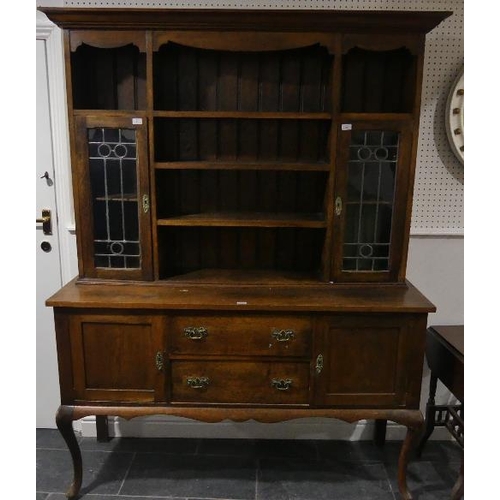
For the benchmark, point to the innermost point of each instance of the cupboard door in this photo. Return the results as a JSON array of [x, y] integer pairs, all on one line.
[[117, 358], [112, 187], [363, 361], [373, 166]]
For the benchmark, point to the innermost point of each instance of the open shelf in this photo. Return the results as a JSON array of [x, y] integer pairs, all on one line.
[[242, 165], [293, 80], [108, 78], [376, 81], [246, 140], [249, 277], [261, 250], [259, 196], [246, 219], [241, 115]]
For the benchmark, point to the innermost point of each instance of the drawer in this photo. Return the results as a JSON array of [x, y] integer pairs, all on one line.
[[247, 335], [240, 382]]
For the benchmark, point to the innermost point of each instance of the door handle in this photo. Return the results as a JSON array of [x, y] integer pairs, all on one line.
[[46, 221]]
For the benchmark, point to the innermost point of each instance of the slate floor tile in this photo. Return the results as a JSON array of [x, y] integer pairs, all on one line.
[[426, 480], [434, 451], [50, 439], [103, 472], [92, 496], [287, 448], [175, 446], [304, 480], [228, 447], [155, 474], [350, 451], [239, 469]]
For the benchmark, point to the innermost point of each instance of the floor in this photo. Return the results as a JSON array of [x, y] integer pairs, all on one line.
[[195, 469]]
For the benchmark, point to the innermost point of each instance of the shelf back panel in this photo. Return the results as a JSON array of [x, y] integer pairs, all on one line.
[[189, 249], [296, 80]]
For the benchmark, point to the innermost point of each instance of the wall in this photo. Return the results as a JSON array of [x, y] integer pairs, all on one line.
[[436, 255]]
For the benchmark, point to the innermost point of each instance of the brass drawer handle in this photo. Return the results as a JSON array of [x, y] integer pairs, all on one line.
[[198, 382], [195, 332], [283, 335], [281, 384]]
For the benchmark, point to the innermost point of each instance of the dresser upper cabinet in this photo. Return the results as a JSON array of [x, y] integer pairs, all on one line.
[[259, 147]]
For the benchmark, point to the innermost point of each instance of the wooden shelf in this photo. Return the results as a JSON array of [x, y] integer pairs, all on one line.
[[253, 115], [246, 219], [242, 165], [249, 277]]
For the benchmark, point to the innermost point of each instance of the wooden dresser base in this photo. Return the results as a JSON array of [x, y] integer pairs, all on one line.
[[411, 419]]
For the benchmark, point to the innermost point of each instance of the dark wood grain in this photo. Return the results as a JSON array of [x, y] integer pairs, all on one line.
[[285, 298], [248, 219], [247, 20], [237, 335], [242, 382]]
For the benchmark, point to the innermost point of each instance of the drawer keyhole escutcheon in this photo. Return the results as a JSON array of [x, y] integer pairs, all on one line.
[[198, 382], [319, 364], [281, 384], [195, 332], [159, 361], [283, 335]]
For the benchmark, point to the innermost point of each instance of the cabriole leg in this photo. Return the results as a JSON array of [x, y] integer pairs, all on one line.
[[404, 457], [64, 421]]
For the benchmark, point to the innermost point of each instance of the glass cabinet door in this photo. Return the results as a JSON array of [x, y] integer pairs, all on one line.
[[113, 192], [370, 201]]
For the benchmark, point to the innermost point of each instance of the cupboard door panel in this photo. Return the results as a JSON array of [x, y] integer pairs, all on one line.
[[117, 358], [365, 361], [112, 189], [371, 201]]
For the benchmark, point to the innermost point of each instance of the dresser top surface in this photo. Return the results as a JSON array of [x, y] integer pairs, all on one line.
[[327, 298]]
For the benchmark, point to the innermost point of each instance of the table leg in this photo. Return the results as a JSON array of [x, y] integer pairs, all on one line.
[[430, 414], [404, 457], [101, 422], [458, 489], [64, 422], [380, 432]]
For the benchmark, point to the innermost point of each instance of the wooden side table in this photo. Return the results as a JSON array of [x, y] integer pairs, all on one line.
[[445, 356]]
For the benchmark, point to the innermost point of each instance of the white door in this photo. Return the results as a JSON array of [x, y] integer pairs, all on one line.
[[48, 265]]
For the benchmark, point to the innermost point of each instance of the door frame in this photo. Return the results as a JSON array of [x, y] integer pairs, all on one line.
[[52, 36]]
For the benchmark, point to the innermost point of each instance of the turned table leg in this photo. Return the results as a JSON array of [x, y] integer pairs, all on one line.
[[458, 489], [64, 421]]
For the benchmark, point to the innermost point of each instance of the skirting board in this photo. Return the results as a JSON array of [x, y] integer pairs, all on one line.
[[314, 429]]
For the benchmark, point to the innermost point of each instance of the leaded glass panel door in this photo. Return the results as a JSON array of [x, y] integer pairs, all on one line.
[[370, 204], [112, 189]]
